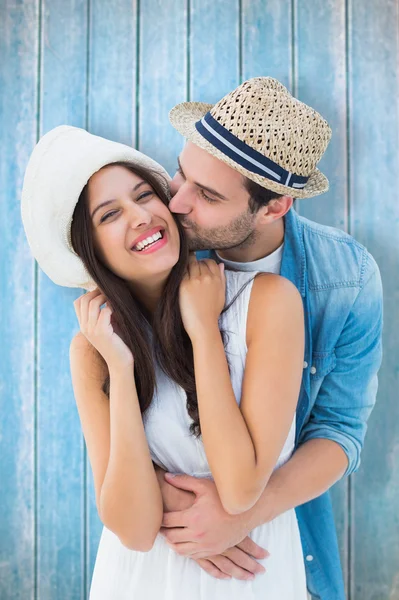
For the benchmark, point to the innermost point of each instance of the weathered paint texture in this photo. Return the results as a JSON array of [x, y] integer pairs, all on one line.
[[117, 68]]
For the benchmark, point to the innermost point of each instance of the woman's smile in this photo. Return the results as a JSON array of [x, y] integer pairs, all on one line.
[[150, 241]]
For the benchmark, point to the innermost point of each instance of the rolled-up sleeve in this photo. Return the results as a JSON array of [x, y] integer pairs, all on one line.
[[348, 393]]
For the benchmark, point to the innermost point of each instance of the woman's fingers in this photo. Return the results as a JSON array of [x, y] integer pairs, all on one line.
[[95, 310], [83, 302], [197, 268], [104, 320], [87, 307], [212, 265]]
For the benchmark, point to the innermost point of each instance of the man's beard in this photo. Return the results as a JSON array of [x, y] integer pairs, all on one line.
[[240, 233]]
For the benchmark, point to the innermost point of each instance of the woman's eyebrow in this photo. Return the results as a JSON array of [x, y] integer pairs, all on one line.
[[200, 185], [106, 202]]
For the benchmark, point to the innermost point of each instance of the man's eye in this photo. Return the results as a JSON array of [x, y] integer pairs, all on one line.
[[207, 198], [105, 217]]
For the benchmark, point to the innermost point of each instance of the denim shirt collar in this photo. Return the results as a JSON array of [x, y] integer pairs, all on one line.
[[293, 265]]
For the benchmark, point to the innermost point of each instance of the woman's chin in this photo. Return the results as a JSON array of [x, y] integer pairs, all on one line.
[[157, 269]]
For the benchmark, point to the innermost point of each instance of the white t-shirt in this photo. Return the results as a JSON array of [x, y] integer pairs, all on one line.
[[268, 264]]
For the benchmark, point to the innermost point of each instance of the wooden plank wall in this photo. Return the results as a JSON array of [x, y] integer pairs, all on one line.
[[116, 69]]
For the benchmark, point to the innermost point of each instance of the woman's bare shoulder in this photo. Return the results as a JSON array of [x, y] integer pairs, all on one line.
[[272, 296]]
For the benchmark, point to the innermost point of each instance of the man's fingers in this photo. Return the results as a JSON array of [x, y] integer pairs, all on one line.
[[211, 569], [176, 535], [185, 482], [226, 566], [183, 549], [243, 560], [174, 519], [249, 546]]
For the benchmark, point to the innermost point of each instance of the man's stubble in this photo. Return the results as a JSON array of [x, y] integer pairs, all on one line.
[[239, 233]]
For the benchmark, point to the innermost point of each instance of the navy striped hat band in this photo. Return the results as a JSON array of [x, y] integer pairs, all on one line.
[[245, 156]]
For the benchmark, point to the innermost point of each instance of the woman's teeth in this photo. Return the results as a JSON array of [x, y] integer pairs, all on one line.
[[148, 241]]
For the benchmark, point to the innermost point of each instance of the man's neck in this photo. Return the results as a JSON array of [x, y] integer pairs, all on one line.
[[266, 242]]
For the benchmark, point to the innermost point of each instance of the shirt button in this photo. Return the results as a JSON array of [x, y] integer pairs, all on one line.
[[313, 370], [305, 365], [309, 558]]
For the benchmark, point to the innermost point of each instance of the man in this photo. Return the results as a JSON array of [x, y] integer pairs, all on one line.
[[246, 159]]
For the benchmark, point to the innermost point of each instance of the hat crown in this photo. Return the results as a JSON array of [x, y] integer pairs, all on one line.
[[262, 113]]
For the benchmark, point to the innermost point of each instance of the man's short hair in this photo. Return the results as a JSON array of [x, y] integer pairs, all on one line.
[[259, 196]]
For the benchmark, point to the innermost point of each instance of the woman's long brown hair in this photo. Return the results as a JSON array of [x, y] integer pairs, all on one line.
[[161, 336]]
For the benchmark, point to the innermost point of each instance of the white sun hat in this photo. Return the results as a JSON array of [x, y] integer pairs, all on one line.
[[263, 132], [59, 167]]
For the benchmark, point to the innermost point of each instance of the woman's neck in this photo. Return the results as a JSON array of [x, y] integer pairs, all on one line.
[[149, 292]]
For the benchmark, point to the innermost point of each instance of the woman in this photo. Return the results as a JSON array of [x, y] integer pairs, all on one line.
[[150, 372]]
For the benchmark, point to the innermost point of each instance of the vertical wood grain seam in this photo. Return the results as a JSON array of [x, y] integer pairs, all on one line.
[[188, 50], [350, 487], [294, 64], [85, 525], [294, 49], [348, 114], [138, 67], [240, 42], [35, 325], [349, 483]]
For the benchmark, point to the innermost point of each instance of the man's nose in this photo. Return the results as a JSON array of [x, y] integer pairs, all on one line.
[[181, 202]]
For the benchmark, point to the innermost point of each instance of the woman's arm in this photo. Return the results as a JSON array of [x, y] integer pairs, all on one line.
[[243, 443], [128, 496]]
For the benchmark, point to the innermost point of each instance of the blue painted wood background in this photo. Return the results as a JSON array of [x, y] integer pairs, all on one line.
[[117, 68]]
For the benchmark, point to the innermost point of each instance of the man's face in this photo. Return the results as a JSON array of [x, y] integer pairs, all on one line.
[[211, 202]]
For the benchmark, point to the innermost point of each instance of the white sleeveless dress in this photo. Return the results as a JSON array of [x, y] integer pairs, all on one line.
[[161, 574]]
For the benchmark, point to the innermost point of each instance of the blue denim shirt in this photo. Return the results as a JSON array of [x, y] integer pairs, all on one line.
[[341, 290]]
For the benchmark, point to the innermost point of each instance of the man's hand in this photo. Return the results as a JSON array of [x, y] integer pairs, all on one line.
[[238, 562], [205, 529], [173, 498]]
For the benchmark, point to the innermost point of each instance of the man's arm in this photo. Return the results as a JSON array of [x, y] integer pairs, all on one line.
[[330, 442], [219, 542], [348, 394], [313, 469]]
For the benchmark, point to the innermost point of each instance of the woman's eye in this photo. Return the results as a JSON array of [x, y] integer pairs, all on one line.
[[207, 198], [105, 217], [145, 195]]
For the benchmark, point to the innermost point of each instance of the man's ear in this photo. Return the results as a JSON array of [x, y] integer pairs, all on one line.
[[276, 209]]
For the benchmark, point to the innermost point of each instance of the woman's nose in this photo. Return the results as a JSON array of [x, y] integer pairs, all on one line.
[[140, 217]]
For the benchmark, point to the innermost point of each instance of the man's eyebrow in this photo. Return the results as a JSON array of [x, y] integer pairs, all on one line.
[[106, 202], [203, 187]]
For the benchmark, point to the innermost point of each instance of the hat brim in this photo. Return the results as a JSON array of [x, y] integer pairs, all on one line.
[[183, 118]]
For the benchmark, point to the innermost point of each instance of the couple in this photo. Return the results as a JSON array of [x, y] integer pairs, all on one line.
[[252, 372]]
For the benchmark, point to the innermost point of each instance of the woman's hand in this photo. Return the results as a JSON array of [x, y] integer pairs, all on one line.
[[95, 324], [202, 295]]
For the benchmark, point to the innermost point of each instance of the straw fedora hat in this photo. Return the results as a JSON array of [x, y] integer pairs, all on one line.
[[264, 133], [59, 167]]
